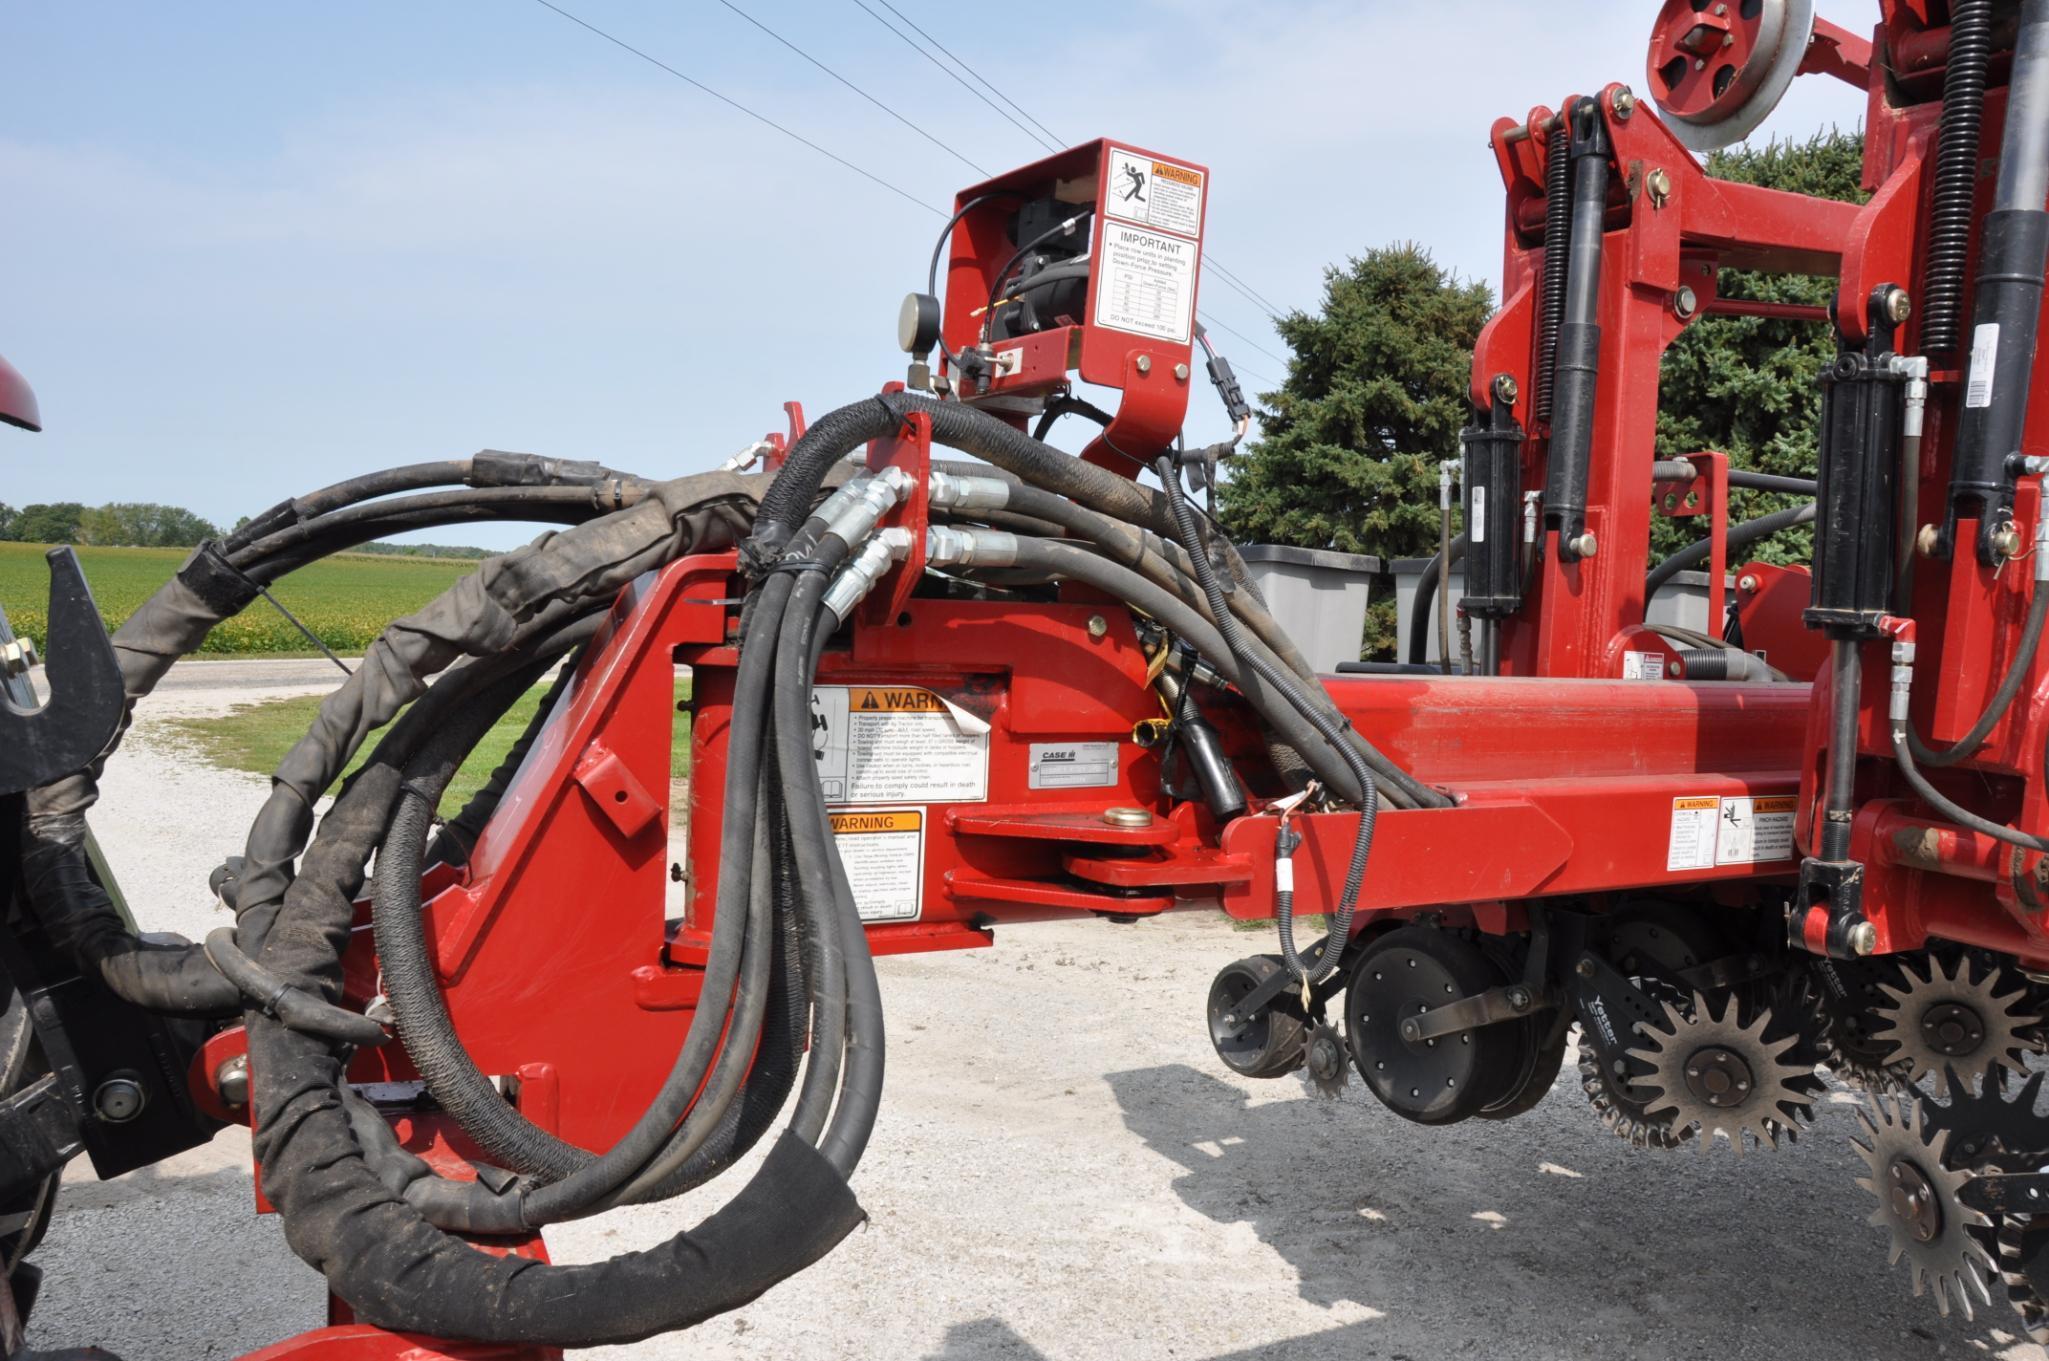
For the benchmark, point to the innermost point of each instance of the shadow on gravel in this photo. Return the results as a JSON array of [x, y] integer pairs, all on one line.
[[1466, 1241]]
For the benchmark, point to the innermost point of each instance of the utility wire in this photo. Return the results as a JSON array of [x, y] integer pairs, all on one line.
[[972, 71], [1212, 321], [1271, 309], [855, 88], [730, 102], [955, 76]]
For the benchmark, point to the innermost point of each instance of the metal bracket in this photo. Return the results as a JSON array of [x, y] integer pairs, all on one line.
[[1509, 1002], [40, 744]]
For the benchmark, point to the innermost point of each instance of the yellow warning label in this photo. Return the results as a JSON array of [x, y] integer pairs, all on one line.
[[1164, 170], [850, 824], [1695, 803], [898, 699], [1785, 803]]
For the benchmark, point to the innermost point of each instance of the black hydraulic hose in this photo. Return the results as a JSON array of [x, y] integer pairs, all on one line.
[[1426, 597], [1956, 173], [1741, 535], [294, 1007], [1068, 406], [746, 738], [1557, 232], [1355, 873], [2017, 670], [535, 503], [350, 491], [1674, 469], [457, 837], [1903, 753]]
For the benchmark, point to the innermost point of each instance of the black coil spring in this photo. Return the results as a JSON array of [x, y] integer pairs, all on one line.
[[1557, 229], [1956, 173]]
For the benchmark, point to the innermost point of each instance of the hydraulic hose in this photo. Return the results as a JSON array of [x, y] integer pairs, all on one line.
[[1355, 872], [1902, 750], [1426, 597], [1741, 535]]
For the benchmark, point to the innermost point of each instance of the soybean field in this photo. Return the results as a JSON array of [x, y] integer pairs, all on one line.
[[347, 599]]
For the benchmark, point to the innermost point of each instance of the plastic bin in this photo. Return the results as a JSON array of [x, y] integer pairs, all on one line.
[[1683, 601], [1318, 595]]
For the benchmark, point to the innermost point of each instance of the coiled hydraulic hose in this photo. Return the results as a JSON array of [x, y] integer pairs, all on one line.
[[1326, 962], [1956, 173]]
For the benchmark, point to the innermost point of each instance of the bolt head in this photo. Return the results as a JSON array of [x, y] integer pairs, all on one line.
[[17, 655], [1623, 102], [118, 1100], [1145, 363], [1685, 302], [231, 1080], [1180, 373], [1746, 584], [1863, 938], [1928, 541], [1898, 305], [1098, 626], [1505, 387], [1586, 968]]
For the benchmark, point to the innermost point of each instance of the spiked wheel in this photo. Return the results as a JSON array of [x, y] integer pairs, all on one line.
[[1945, 1020], [1918, 1205], [1712, 1071], [1847, 993]]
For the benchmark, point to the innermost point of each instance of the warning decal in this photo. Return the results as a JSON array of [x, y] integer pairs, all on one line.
[[1157, 193], [896, 744], [1073, 765], [1643, 666], [1739, 830], [884, 855], [1147, 283]]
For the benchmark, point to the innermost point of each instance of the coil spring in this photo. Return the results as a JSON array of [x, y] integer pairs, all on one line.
[[1557, 226], [1956, 172]]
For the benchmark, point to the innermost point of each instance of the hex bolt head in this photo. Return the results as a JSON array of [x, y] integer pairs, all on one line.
[[17, 655], [1145, 363], [118, 1100], [1586, 968], [1098, 626], [1180, 373], [1863, 938], [1623, 102]]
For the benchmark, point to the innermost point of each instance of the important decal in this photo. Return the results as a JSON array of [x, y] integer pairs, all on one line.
[[1146, 283], [883, 851], [1736, 830], [1154, 193], [896, 744], [1072, 765]]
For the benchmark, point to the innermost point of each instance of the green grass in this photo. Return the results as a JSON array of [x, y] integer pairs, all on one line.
[[346, 599], [255, 737]]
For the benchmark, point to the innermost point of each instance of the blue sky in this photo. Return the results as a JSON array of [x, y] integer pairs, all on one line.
[[249, 248]]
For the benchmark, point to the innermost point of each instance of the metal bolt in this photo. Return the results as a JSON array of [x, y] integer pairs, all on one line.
[[1623, 102], [1928, 541], [118, 1100], [1145, 363], [1585, 544], [1180, 373], [2006, 541], [16, 657], [1721, 10], [1586, 968], [1659, 184], [1128, 817], [1098, 626], [231, 1080], [1863, 938], [1898, 305], [1519, 998], [1685, 302], [1505, 388], [1746, 584]]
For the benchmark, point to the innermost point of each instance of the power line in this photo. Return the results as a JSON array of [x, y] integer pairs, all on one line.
[[730, 102], [1271, 309], [855, 88], [955, 76], [1229, 330], [972, 71]]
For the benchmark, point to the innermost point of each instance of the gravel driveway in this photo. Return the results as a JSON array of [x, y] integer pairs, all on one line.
[[1063, 1171]]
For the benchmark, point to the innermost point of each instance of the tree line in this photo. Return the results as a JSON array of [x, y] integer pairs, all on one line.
[[124, 524]]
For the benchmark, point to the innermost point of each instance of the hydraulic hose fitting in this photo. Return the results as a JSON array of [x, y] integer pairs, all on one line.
[[1902, 682], [876, 498], [858, 577], [965, 492], [949, 546]]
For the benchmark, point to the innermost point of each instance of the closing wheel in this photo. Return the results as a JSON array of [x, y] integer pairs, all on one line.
[[1717, 68], [1268, 1043], [1434, 1082]]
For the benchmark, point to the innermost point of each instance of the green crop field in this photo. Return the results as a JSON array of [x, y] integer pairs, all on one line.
[[347, 599]]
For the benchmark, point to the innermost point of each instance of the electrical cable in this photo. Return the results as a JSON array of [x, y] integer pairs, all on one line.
[[855, 88], [1058, 140], [954, 76]]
